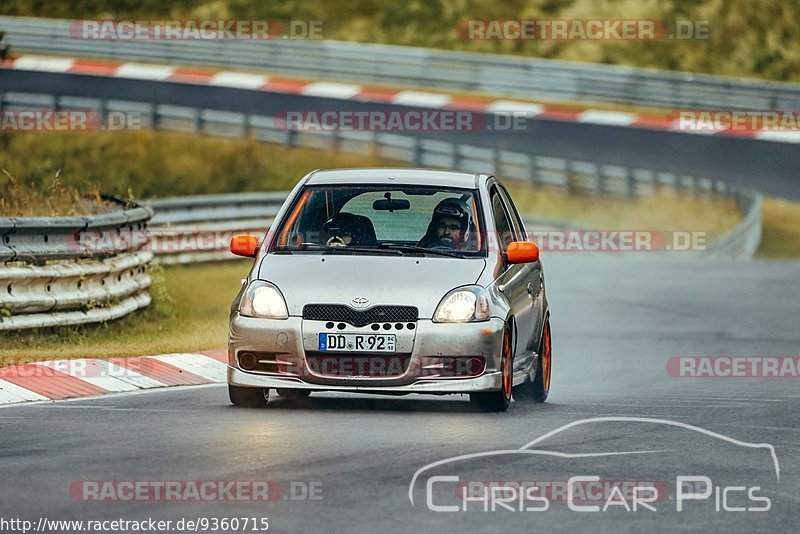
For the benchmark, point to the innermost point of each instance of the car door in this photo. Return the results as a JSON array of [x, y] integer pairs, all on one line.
[[515, 279], [536, 277]]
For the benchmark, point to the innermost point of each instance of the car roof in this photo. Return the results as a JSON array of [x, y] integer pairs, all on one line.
[[387, 175]]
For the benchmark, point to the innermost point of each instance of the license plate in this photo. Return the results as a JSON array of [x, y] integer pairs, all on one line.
[[356, 342]]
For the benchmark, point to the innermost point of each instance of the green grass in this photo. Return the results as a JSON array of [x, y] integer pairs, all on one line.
[[780, 237], [45, 199], [144, 165], [747, 38], [665, 211]]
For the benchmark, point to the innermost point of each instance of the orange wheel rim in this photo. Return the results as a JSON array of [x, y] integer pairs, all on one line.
[[546, 356], [507, 376]]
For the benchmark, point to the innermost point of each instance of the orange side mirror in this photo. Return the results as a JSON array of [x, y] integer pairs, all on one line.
[[522, 252], [245, 245]]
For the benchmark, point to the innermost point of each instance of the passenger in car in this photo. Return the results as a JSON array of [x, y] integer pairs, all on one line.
[[448, 226]]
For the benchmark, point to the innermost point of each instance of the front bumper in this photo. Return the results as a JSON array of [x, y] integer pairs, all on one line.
[[485, 382], [293, 338]]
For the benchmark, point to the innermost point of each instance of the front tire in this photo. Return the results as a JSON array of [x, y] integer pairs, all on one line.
[[498, 401], [536, 391], [248, 397]]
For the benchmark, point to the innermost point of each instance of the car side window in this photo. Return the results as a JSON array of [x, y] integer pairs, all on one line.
[[505, 232], [519, 226]]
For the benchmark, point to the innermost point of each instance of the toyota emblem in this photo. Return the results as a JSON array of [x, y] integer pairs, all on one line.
[[360, 302]]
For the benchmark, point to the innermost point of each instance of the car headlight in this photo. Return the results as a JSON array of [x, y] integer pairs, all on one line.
[[463, 305], [263, 300]]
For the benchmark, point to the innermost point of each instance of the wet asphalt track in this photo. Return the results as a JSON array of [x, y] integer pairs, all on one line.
[[615, 325]]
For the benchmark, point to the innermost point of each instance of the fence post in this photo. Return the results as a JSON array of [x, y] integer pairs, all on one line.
[[154, 116], [599, 180], [416, 148], [534, 170], [630, 187], [197, 120], [102, 111]]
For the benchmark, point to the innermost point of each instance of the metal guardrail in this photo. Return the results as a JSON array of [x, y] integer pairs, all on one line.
[[490, 73], [42, 239], [742, 241], [181, 221], [198, 228], [198, 239], [73, 270], [578, 176]]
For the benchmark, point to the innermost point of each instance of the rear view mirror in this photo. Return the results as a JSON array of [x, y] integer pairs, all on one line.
[[245, 245], [522, 252], [391, 204]]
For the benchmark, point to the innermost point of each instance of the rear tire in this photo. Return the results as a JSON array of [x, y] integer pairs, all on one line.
[[294, 394], [536, 391], [248, 397], [498, 401]]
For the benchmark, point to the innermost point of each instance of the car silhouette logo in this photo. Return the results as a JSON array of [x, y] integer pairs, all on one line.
[[360, 302]]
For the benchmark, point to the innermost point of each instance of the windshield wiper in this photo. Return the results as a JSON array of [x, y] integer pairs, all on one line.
[[326, 249], [421, 250]]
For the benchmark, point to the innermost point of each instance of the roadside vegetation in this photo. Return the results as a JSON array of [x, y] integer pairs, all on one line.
[[664, 212], [50, 174], [149, 164], [189, 313], [44, 198], [747, 38], [780, 238]]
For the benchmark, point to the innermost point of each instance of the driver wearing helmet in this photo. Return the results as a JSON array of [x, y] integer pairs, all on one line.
[[345, 229], [448, 226]]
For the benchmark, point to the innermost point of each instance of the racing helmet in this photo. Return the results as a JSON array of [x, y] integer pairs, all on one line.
[[453, 208]]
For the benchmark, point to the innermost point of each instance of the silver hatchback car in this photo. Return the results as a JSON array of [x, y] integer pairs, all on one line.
[[392, 281]]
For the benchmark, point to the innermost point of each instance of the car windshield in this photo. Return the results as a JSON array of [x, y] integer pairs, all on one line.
[[375, 219]]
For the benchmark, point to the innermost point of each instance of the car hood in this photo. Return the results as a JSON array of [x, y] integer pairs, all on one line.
[[386, 280]]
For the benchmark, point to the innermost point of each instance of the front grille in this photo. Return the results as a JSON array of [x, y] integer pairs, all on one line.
[[346, 314]]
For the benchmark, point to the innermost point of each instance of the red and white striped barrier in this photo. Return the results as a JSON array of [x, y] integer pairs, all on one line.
[[77, 378], [349, 91]]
